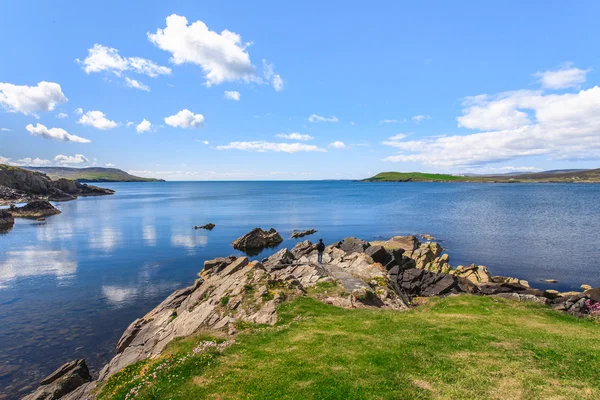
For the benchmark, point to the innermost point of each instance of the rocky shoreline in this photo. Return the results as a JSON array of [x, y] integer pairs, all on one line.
[[390, 274]]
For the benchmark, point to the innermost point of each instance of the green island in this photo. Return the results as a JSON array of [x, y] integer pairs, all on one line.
[[91, 174], [462, 347], [560, 176]]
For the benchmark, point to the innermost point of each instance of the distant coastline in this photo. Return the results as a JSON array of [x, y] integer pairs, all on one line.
[[569, 176]]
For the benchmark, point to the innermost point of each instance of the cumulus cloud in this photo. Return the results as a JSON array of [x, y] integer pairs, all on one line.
[[28, 161], [31, 99], [62, 115], [222, 56], [185, 119], [337, 145], [566, 76], [132, 83], [97, 119], [271, 77], [54, 133], [515, 124], [66, 160], [263, 146], [318, 118], [294, 136], [232, 95], [419, 118], [143, 126], [107, 59]]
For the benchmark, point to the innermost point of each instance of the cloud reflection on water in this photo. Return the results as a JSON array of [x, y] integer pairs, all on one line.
[[32, 262]]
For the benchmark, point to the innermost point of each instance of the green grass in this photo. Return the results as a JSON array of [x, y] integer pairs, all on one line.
[[416, 177], [461, 347]]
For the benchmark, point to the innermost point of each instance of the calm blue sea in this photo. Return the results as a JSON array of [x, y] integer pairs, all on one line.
[[69, 286]]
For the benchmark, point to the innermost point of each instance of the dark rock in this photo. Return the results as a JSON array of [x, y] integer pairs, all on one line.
[[419, 282], [296, 235], [64, 380], [593, 294], [379, 255], [34, 209], [258, 238], [353, 245], [279, 260], [208, 227], [491, 288], [58, 195], [6, 219]]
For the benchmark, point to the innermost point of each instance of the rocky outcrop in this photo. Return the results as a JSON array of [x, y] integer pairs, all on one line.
[[420, 282], [63, 381], [20, 185], [353, 245], [257, 239], [6, 219], [208, 227], [301, 234], [35, 209], [477, 274]]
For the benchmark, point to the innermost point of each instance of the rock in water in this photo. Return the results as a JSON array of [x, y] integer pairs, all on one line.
[[296, 234], [257, 238], [35, 209], [6, 219], [208, 227], [62, 381]]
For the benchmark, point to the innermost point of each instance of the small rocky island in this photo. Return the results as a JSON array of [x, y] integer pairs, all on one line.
[[393, 274]]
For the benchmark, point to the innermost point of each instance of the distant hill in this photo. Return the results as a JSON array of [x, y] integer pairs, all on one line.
[[91, 174], [589, 175]]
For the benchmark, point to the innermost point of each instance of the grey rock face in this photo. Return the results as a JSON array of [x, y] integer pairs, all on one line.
[[63, 381], [6, 219], [279, 260], [353, 245]]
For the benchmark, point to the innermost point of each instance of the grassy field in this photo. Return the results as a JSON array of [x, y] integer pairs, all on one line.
[[416, 177], [462, 347]]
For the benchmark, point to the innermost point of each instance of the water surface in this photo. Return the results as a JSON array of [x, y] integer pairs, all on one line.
[[69, 286]]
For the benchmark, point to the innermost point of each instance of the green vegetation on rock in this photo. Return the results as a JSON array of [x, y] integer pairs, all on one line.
[[460, 347], [568, 176], [414, 177]]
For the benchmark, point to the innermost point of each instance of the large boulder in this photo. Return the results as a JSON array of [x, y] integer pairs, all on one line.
[[303, 249], [593, 294], [64, 380], [406, 243], [216, 265], [508, 279], [281, 259], [353, 245], [6, 219], [34, 209], [258, 238], [379, 254], [419, 282], [477, 274], [426, 254]]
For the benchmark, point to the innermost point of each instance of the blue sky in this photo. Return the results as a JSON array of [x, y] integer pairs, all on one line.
[[454, 87]]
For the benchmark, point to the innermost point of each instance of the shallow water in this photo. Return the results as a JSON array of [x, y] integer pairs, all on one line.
[[69, 286]]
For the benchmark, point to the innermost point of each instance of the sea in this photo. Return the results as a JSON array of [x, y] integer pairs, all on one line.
[[70, 285]]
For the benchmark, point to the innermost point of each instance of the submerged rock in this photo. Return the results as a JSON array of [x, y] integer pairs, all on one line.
[[297, 234], [34, 209], [64, 380], [258, 238]]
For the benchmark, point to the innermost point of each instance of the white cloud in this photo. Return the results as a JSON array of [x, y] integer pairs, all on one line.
[[143, 126], [33, 162], [132, 83], [223, 57], [109, 165], [565, 77], [185, 119], [294, 136], [563, 126], [97, 119], [5, 130], [129, 124], [205, 142], [419, 118], [388, 121], [399, 136], [263, 146], [106, 59], [31, 99], [54, 133], [337, 145], [79, 111], [76, 159], [318, 118], [271, 76], [232, 95], [62, 115]]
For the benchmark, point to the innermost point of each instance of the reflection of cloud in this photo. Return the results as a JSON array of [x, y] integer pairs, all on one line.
[[119, 295], [31, 262], [189, 242], [106, 240], [50, 232], [149, 233]]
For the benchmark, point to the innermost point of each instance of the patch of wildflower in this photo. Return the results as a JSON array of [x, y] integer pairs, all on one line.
[[165, 368], [593, 310]]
